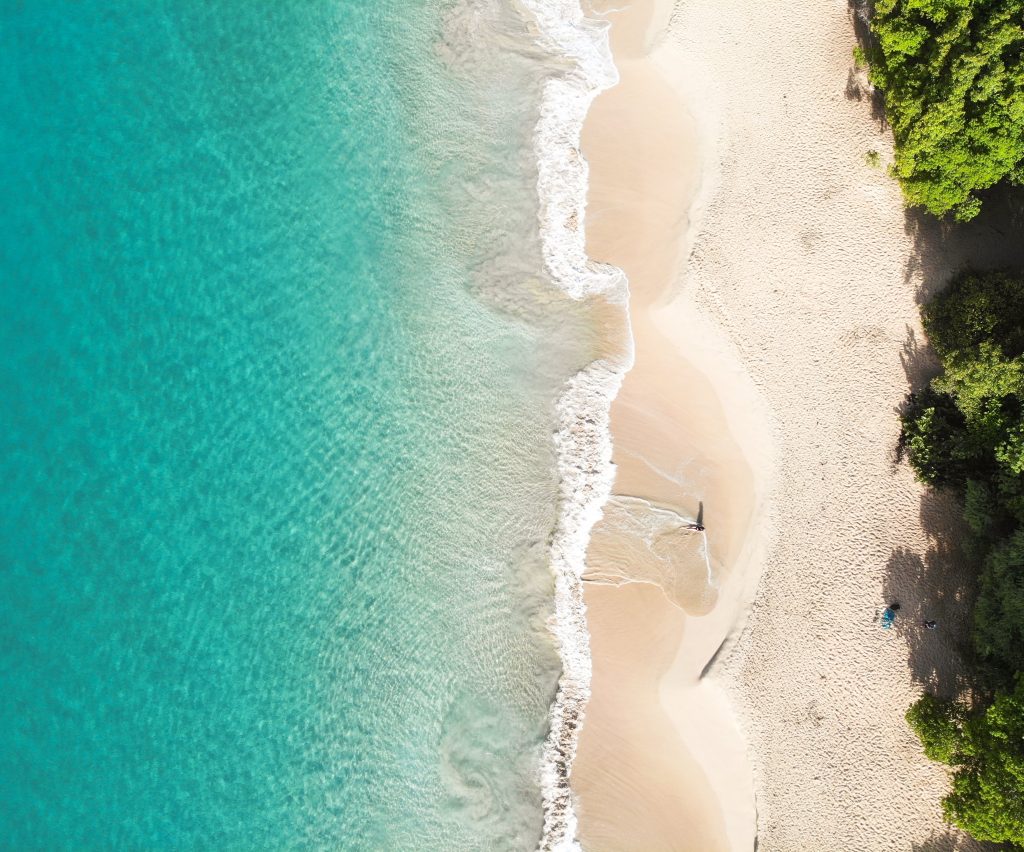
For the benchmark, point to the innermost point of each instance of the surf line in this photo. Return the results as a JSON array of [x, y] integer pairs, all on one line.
[[583, 437]]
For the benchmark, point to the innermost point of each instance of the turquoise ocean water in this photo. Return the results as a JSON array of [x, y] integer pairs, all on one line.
[[278, 367]]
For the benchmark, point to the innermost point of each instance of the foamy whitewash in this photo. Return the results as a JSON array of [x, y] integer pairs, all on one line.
[[583, 440]]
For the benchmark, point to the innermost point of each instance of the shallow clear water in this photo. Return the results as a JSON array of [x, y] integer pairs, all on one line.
[[277, 380]]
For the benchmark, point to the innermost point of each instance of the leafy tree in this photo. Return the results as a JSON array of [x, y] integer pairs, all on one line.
[[999, 610], [976, 309], [939, 726], [969, 423], [934, 433], [952, 72], [966, 431], [986, 748]]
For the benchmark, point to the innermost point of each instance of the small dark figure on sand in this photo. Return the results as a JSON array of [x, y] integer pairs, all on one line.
[[698, 524], [931, 625], [889, 615]]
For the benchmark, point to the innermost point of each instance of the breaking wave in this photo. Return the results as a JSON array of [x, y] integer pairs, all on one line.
[[583, 438]]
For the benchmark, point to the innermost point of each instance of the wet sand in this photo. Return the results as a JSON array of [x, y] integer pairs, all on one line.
[[661, 764]]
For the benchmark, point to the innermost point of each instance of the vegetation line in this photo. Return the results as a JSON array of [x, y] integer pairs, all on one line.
[[952, 76], [966, 432], [953, 79]]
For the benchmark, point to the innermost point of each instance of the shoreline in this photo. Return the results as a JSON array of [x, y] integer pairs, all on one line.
[[742, 692], [660, 755], [582, 437]]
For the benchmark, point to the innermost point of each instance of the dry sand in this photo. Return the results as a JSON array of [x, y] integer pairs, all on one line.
[[775, 281]]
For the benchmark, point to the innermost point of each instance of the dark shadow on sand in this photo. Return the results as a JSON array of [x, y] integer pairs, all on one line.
[[858, 87], [994, 239], [952, 842], [935, 586], [939, 584]]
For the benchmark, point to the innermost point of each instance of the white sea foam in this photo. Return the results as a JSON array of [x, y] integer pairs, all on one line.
[[643, 542], [583, 440]]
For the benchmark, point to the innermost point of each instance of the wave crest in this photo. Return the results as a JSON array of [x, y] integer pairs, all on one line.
[[583, 440]]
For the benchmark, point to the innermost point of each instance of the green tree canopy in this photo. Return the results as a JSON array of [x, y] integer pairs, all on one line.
[[968, 425], [952, 72], [966, 431], [986, 748], [999, 610], [939, 727]]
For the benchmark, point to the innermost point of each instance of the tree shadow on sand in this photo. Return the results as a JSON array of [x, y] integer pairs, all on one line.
[[994, 239], [935, 586], [920, 366], [858, 86], [951, 842], [920, 363], [938, 585]]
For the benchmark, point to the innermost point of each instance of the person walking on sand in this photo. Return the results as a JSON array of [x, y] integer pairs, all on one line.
[[695, 526], [929, 624]]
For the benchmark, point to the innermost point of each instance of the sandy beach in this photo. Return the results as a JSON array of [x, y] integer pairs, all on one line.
[[742, 686], [661, 595]]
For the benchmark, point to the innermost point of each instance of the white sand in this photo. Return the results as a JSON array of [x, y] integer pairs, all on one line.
[[776, 317], [661, 763]]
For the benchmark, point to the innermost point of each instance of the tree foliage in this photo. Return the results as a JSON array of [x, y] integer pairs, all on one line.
[[986, 749], [939, 726], [952, 72], [966, 431], [999, 610]]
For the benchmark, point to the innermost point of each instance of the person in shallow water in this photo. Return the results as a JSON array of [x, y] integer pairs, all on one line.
[[698, 524]]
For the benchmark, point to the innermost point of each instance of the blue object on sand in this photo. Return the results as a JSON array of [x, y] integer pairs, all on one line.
[[888, 617]]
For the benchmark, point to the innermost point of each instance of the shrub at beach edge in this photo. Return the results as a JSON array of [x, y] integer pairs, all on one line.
[[952, 73]]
